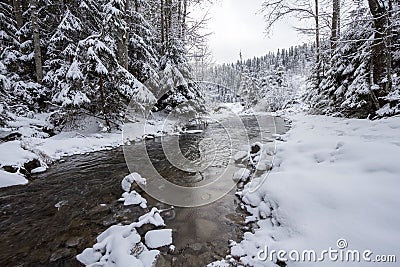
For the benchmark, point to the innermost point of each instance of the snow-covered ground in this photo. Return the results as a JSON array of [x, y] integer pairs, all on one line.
[[334, 186]]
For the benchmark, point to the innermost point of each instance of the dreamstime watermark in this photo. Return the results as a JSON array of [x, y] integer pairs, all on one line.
[[340, 253]]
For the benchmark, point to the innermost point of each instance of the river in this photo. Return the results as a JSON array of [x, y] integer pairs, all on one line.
[[62, 211]]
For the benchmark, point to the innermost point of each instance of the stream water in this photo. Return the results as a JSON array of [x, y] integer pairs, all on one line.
[[62, 211]]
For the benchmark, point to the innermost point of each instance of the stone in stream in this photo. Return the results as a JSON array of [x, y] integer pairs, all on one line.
[[73, 241], [240, 156]]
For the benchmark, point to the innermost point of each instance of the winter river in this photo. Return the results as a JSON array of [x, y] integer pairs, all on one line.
[[62, 211]]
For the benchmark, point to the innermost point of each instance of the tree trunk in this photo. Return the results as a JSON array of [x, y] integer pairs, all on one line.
[[162, 25], [317, 44], [379, 49], [168, 23], [184, 14], [335, 25], [36, 43], [18, 13], [127, 31], [388, 45], [179, 18], [103, 104]]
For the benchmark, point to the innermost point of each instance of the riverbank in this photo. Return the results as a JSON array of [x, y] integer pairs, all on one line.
[[28, 148], [334, 185]]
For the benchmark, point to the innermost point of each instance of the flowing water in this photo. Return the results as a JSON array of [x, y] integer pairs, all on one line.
[[62, 211]]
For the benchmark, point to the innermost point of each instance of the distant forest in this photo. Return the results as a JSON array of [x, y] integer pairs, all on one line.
[[74, 58]]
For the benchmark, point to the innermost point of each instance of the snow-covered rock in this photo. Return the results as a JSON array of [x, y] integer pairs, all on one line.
[[120, 245], [158, 238], [133, 198], [241, 175], [129, 179], [10, 179], [12, 154]]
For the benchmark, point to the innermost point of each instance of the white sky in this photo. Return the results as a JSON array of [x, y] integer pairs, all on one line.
[[238, 25]]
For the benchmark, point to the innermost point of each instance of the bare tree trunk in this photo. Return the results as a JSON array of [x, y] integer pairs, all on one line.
[[317, 44], [120, 47], [127, 31], [184, 19], [179, 18], [335, 25], [18, 13], [162, 25], [388, 45], [379, 49], [36, 43], [103, 104], [373, 96], [168, 23]]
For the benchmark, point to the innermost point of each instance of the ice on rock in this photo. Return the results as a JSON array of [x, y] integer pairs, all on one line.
[[158, 238], [39, 170], [153, 217], [241, 175], [129, 179], [149, 257], [134, 198], [10, 179], [89, 256], [120, 245]]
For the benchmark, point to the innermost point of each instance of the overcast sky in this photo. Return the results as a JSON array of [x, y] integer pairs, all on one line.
[[238, 25]]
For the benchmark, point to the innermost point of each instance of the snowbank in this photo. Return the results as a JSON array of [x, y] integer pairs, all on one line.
[[10, 179], [35, 144], [14, 156], [71, 143], [334, 185]]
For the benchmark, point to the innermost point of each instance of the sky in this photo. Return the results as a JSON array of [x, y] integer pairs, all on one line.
[[237, 25]]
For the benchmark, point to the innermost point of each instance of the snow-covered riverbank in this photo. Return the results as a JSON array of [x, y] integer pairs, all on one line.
[[34, 144], [334, 181]]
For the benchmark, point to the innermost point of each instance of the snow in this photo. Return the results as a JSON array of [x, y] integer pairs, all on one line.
[[192, 131], [241, 175], [35, 144], [334, 179], [129, 179], [158, 238], [133, 198], [153, 217], [12, 154], [11, 179], [71, 143], [120, 245], [39, 170]]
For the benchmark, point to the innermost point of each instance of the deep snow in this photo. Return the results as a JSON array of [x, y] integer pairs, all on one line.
[[334, 179]]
